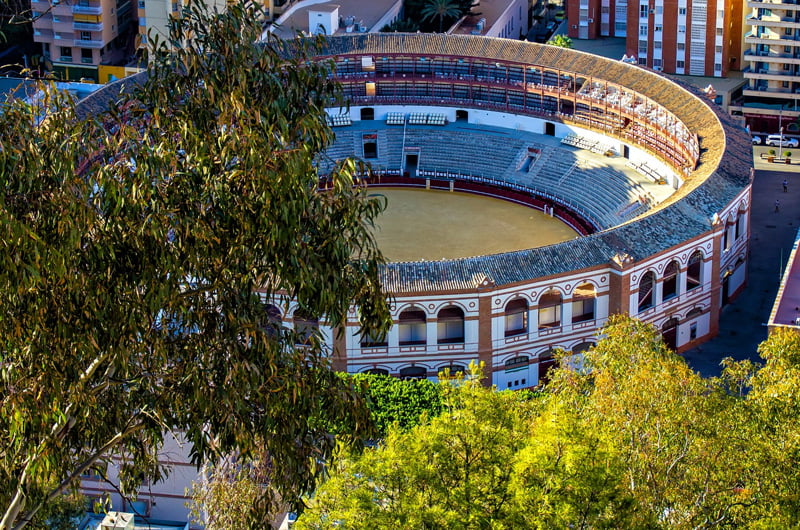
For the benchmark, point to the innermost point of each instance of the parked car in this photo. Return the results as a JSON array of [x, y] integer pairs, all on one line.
[[777, 140], [756, 140]]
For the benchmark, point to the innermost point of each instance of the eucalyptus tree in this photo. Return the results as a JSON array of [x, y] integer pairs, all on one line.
[[139, 247]]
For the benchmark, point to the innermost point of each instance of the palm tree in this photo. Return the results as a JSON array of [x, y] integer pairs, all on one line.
[[440, 9]]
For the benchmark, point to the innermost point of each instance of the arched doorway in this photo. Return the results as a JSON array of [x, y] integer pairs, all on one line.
[[669, 333]]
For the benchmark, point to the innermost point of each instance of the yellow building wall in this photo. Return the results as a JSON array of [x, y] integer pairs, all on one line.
[[110, 73]]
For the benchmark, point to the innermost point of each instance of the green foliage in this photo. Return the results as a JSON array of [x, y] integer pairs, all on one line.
[[440, 10], [560, 40], [632, 439], [134, 244], [223, 496], [405, 403], [428, 12], [452, 473]]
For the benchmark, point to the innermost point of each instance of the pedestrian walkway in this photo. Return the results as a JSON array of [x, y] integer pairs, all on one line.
[[772, 234]]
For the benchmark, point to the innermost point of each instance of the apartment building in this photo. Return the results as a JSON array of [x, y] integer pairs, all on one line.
[[78, 35], [154, 15], [506, 19], [590, 19], [695, 37], [771, 66]]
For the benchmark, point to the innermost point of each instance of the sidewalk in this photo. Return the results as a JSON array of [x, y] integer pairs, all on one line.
[[743, 322]]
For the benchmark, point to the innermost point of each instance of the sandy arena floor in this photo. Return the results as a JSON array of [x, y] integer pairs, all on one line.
[[433, 225]]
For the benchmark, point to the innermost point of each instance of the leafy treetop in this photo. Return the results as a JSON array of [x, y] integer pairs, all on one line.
[[139, 248]]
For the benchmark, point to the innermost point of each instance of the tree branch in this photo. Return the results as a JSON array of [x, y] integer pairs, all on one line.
[[86, 464]]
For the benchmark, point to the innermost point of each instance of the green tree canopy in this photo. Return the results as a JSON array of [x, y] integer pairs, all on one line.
[[406, 403], [560, 40], [140, 246], [630, 437], [450, 473]]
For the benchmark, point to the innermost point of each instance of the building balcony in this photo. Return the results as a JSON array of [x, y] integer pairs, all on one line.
[[45, 21], [87, 26], [62, 26], [773, 4], [89, 9], [62, 10], [89, 43], [771, 57], [772, 22], [42, 35], [65, 59], [777, 40], [766, 92], [771, 75]]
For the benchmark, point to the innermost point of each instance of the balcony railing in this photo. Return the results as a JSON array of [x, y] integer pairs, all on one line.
[[91, 9], [87, 26], [65, 59], [89, 43], [87, 60]]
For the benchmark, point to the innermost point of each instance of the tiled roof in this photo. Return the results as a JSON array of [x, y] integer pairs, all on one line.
[[722, 172]]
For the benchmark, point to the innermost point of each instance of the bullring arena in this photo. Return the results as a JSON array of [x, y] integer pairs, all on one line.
[[649, 181], [663, 223]]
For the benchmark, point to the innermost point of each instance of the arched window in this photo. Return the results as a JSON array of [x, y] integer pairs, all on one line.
[[374, 340], [452, 370], [669, 333], [376, 371], [550, 310], [727, 241], [450, 326], [305, 326], [582, 347], [694, 313], [670, 284], [516, 362], [583, 303], [737, 231], [516, 317], [411, 327], [646, 284], [413, 372], [694, 271], [271, 321]]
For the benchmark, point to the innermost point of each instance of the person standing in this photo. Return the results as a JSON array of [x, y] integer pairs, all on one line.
[[785, 185], [777, 205]]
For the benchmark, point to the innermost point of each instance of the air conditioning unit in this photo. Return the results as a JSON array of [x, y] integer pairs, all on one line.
[[591, 21], [574, 26]]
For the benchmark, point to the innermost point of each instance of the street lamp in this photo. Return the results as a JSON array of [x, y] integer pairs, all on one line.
[[780, 145]]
